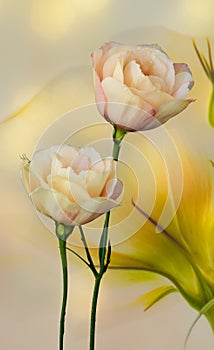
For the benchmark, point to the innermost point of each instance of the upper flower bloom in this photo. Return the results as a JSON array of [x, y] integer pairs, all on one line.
[[139, 87], [71, 186]]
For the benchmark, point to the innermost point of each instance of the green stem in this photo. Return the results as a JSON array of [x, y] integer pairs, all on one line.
[[79, 256], [91, 263], [211, 108], [103, 252], [103, 241], [62, 249], [94, 311]]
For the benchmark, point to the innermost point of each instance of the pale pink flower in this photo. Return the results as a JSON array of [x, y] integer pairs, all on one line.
[[139, 87], [72, 186]]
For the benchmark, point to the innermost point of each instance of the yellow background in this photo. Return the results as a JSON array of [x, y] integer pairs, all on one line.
[[42, 43]]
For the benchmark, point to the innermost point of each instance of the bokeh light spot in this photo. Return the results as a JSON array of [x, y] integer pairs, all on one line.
[[52, 18], [90, 6]]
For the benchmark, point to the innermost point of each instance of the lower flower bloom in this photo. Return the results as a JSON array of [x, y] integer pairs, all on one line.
[[72, 186]]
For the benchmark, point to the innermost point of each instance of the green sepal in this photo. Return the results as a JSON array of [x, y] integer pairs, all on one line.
[[118, 136], [63, 231], [119, 133]]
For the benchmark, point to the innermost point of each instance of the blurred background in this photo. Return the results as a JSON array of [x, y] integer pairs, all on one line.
[[45, 72]]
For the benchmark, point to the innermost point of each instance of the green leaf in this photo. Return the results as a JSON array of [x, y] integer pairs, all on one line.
[[211, 108], [202, 312], [152, 297]]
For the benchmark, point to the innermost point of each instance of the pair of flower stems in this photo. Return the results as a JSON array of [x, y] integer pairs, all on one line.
[[63, 232]]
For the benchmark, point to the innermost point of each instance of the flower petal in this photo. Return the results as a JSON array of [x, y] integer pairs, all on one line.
[[99, 94], [183, 80], [129, 109], [40, 166], [155, 98], [74, 187], [133, 77], [97, 206], [170, 109], [55, 205], [95, 182], [118, 72], [154, 61]]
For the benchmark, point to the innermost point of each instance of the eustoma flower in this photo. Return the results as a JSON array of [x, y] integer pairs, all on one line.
[[139, 87], [72, 186]]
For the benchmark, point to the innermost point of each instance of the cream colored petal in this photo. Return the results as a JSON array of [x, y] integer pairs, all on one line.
[[134, 77], [116, 50], [97, 176], [109, 65], [41, 166], [96, 60], [63, 172], [99, 94], [182, 91], [113, 185], [92, 155], [80, 163], [170, 109], [87, 158], [127, 117], [54, 205], [158, 83], [95, 182], [154, 98], [118, 72], [73, 188], [98, 166], [120, 93], [96, 206], [66, 154], [154, 61], [113, 189], [183, 84], [101, 56]]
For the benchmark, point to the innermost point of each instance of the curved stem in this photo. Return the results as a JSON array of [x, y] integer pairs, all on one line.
[[91, 263], [62, 249], [79, 256]]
